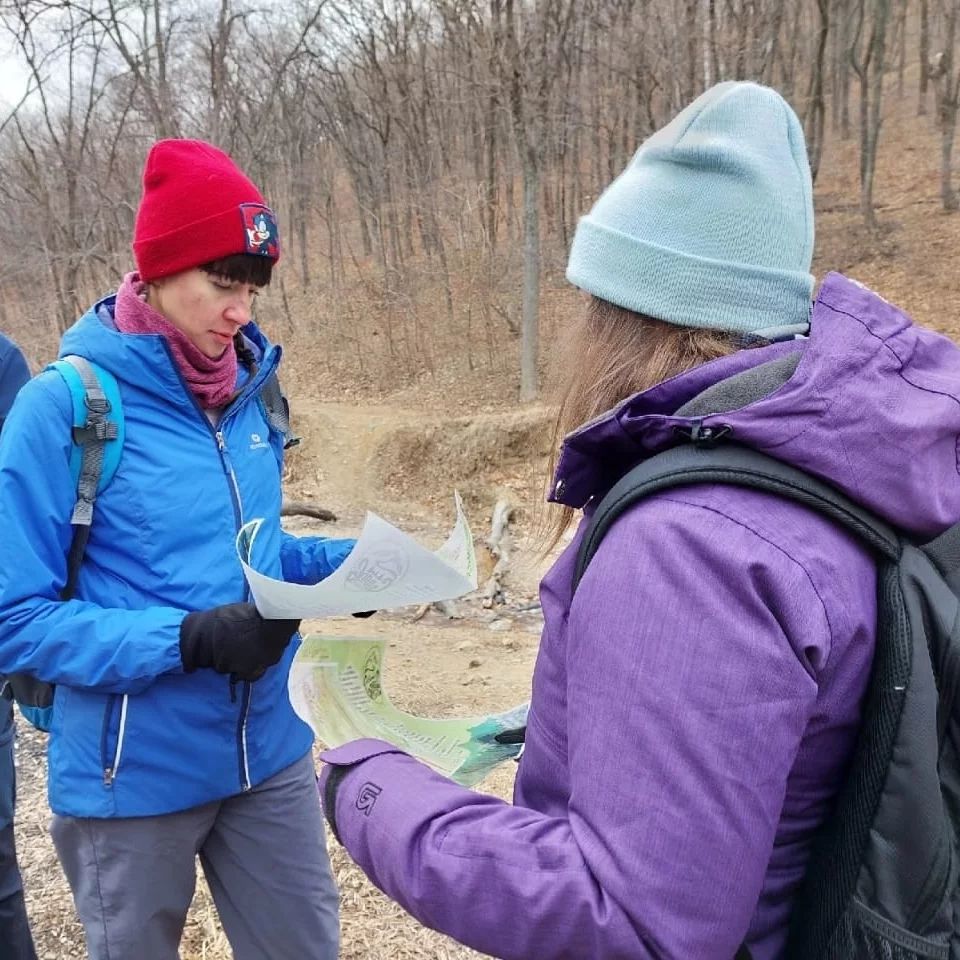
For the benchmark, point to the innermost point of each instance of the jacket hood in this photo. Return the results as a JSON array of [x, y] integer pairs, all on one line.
[[869, 402], [145, 360]]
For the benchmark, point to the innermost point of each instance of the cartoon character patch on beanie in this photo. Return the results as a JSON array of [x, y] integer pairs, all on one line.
[[263, 238]]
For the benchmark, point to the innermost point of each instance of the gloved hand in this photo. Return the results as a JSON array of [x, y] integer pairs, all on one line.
[[514, 736], [233, 639]]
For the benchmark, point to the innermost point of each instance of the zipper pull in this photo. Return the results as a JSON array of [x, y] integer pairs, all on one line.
[[224, 453], [108, 777]]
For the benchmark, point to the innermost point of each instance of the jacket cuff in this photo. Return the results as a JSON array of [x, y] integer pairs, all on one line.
[[339, 762], [356, 751]]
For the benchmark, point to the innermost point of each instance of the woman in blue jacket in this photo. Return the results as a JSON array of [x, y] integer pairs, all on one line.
[[14, 929], [172, 734]]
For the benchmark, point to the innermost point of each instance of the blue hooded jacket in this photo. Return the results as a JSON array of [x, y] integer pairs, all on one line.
[[132, 734]]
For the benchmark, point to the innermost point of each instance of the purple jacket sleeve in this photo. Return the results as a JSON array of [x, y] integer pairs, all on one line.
[[687, 693]]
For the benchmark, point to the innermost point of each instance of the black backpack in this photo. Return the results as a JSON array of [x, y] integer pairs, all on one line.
[[882, 880]]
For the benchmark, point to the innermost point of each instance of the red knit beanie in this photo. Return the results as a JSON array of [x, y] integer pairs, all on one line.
[[198, 206]]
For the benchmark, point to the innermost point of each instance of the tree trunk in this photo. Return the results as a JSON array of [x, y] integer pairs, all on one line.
[[924, 58], [901, 34], [529, 333], [526, 121], [815, 116], [690, 28], [713, 52], [947, 194], [947, 107], [871, 94]]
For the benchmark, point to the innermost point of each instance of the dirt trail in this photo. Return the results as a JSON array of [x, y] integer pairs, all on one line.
[[335, 462], [404, 464]]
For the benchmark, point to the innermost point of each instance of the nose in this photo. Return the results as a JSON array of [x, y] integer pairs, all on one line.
[[239, 311]]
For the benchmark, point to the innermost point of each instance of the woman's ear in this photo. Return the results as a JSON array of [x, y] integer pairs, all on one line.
[[152, 293]]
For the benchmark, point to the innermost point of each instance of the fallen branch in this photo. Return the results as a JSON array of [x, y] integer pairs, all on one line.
[[296, 508], [444, 606], [500, 544]]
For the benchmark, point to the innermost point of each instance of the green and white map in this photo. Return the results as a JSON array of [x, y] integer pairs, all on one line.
[[336, 685]]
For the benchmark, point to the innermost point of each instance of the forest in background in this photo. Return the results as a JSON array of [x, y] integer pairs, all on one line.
[[428, 159]]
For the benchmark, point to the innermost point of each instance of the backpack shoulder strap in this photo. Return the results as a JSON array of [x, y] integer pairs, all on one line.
[[944, 553], [96, 400], [97, 434], [277, 409], [737, 466]]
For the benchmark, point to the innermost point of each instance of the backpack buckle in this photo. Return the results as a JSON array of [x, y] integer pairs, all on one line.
[[92, 432], [704, 437], [96, 402]]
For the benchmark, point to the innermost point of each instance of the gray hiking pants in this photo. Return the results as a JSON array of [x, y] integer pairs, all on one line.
[[264, 856]]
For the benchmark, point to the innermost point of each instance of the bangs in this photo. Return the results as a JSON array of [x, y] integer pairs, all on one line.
[[242, 268]]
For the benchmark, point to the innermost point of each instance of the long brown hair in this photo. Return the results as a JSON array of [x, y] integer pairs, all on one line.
[[609, 354]]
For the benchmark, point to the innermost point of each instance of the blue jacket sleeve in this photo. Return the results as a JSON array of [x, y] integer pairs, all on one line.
[[14, 373], [309, 559], [74, 642]]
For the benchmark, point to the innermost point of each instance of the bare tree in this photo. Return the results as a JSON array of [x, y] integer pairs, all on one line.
[[55, 163], [815, 101], [867, 59], [946, 79]]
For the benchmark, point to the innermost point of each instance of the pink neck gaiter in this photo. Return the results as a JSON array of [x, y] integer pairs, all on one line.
[[212, 382]]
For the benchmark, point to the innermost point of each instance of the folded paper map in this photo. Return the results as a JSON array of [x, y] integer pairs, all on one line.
[[386, 568], [336, 686]]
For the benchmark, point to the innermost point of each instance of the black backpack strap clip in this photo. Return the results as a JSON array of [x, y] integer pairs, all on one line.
[[277, 410], [703, 436]]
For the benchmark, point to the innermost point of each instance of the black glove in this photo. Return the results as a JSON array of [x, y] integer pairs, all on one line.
[[233, 639], [513, 736]]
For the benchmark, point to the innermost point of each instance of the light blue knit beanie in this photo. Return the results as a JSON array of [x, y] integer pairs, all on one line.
[[711, 224]]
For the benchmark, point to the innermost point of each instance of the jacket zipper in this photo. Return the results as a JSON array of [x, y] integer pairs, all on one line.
[[231, 476], [244, 768], [247, 689], [242, 737], [112, 764], [221, 443]]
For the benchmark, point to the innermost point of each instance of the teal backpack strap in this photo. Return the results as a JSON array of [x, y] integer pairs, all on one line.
[[98, 432], [277, 410]]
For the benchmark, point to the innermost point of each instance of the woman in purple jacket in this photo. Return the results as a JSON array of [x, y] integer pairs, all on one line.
[[695, 703]]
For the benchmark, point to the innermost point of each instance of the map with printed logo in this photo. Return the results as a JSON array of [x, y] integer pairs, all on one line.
[[386, 569]]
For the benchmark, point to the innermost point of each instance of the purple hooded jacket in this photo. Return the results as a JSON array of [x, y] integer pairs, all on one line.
[[695, 704]]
